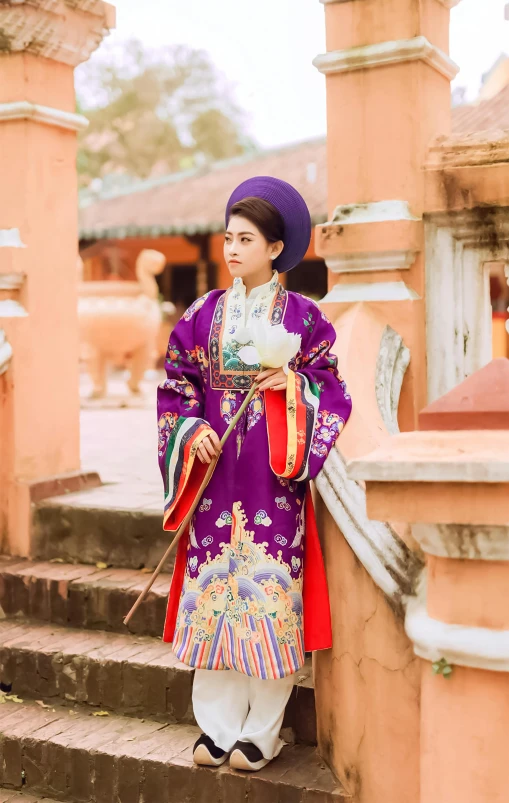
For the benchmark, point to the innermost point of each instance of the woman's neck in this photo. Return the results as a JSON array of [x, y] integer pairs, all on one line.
[[256, 279]]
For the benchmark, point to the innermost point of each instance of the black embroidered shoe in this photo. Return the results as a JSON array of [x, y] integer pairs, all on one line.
[[207, 754], [246, 756]]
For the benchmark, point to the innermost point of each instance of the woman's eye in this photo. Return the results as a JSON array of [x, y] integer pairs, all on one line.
[[246, 240]]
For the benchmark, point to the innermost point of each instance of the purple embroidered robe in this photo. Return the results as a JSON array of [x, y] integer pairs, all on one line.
[[241, 601]]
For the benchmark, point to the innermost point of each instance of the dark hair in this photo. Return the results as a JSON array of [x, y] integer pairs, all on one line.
[[263, 215]]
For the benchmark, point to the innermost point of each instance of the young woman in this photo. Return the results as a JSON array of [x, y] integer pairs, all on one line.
[[248, 596]]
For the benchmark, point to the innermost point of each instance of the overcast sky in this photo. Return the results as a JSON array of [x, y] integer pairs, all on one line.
[[265, 49]]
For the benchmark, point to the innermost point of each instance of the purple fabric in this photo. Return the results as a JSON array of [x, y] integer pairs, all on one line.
[[292, 208]]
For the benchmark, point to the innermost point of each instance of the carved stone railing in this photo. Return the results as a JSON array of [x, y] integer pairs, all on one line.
[[384, 555], [389, 560]]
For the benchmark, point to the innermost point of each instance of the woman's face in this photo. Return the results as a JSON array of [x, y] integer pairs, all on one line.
[[246, 251]]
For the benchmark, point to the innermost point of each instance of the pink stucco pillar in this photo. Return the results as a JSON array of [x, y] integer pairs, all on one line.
[[41, 45]]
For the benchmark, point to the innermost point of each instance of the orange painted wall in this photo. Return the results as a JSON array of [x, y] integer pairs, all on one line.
[[466, 717], [39, 197], [177, 250], [387, 21], [44, 81]]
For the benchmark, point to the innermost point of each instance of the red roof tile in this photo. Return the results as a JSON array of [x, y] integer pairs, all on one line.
[[194, 202], [483, 115]]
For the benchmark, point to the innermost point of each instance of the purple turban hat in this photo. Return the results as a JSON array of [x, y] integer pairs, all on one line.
[[291, 206]]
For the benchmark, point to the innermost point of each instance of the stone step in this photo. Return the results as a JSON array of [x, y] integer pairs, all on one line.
[[82, 596], [80, 757], [135, 675], [94, 526]]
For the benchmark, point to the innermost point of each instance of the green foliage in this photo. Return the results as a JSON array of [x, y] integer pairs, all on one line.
[[154, 112], [442, 667]]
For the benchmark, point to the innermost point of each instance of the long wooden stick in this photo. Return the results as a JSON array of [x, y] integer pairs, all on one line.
[[182, 528]]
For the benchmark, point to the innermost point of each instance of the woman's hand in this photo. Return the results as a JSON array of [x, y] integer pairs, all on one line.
[[272, 378], [209, 448]]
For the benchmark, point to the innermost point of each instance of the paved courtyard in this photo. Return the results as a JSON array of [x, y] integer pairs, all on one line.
[[119, 441]]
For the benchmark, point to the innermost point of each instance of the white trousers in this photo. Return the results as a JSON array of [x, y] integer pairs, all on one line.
[[230, 706]]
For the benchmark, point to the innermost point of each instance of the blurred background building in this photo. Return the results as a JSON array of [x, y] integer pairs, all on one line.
[[180, 213]]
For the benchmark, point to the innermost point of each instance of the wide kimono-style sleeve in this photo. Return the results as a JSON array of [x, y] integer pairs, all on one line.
[[305, 423], [180, 406]]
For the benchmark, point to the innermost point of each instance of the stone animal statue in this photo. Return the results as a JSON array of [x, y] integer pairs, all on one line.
[[119, 322]]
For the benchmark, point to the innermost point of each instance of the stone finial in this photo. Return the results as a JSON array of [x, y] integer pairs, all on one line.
[[63, 30], [480, 402]]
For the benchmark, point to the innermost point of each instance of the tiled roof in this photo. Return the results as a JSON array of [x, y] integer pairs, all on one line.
[[194, 202], [483, 115]]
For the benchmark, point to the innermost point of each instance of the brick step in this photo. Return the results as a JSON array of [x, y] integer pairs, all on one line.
[[126, 674], [7, 796], [82, 596], [86, 758], [87, 528]]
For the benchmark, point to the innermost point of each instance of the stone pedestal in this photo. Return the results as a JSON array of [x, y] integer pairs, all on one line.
[[41, 45], [452, 485]]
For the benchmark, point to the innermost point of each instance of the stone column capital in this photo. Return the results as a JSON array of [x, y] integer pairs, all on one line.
[[383, 54], [67, 31]]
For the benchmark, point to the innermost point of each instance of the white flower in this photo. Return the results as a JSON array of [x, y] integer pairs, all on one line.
[[273, 346], [243, 335]]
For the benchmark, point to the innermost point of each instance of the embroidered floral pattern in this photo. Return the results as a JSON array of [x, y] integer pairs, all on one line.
[[205, 505], [280, 539], [282, 503], [255, 410], [228, 406], [195, 306], [199, 357], [184, 388], [328, 426], [344, 387], [305, 360], [165, 425], [173, 356], [309, 322]]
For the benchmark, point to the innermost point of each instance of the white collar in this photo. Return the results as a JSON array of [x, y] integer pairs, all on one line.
[[267, 287]]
